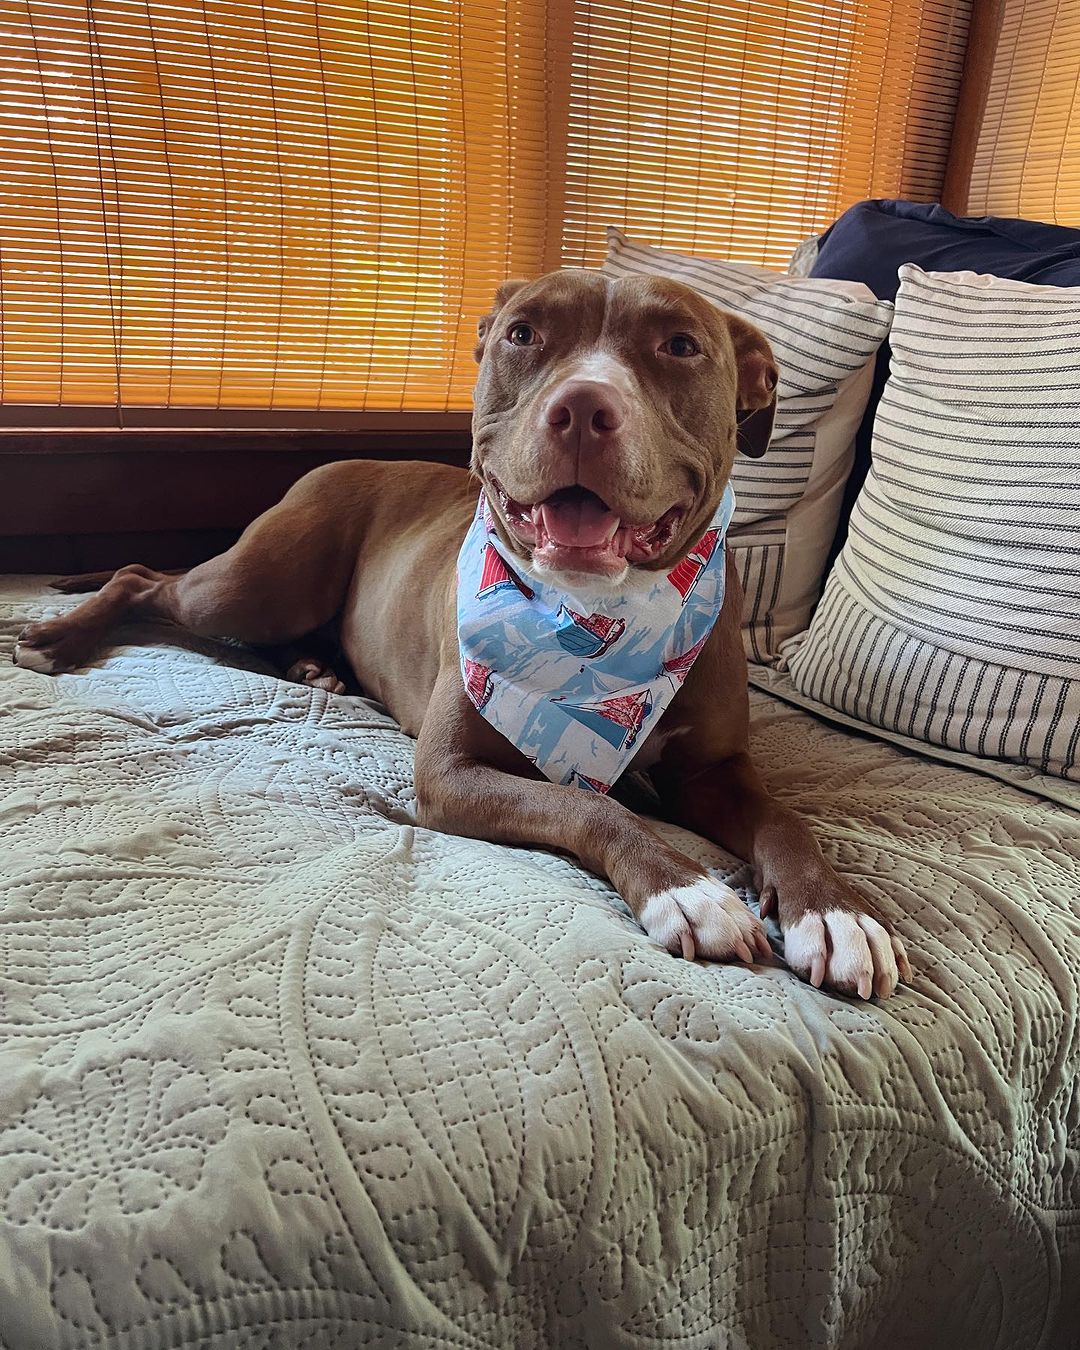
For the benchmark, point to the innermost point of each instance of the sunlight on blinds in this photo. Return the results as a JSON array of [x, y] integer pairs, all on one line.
[[300, 204], [296, 204], [1027, 160], [759, 124]]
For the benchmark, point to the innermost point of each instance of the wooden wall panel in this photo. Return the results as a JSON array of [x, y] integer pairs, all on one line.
[[81, 501]]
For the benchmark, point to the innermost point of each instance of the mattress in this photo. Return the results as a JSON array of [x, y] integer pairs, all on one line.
[[279, 1068]]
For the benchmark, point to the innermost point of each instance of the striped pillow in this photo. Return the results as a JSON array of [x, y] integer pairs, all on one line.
[[824, 335], [953, 612]]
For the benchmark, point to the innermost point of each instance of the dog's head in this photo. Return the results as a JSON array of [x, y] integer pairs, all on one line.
[[607, 417]]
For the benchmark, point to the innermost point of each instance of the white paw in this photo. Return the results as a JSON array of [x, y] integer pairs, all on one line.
[[32, 659], [851, 953], [704, 919]]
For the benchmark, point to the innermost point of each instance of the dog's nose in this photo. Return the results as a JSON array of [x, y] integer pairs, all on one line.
[[585, 410]]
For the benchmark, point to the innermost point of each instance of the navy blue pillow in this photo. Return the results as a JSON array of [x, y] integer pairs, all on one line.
[[870, 241]]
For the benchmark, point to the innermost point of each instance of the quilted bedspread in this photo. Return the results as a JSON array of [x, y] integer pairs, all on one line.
[[279, 1068]]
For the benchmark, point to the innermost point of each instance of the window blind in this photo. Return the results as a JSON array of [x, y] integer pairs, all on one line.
[[738, 129], [301, 207], [1027, 156]]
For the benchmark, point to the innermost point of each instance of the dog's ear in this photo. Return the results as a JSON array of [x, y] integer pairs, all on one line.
[[483, 328], [755, 399]]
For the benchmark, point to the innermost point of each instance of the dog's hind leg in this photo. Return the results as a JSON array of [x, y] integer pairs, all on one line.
[[286, 576], [80, 583], [315, 660], [68, 641], [315, 674]]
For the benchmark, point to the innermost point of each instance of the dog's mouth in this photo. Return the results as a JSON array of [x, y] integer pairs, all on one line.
[[574, 530]]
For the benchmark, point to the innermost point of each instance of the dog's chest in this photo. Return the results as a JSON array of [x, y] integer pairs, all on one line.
[[666, 731]]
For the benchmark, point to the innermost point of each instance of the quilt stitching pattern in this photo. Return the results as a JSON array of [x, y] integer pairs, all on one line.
[[281, 1069]]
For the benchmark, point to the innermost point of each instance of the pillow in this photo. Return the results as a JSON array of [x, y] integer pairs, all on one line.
[[871, 241], [802, 261], [824, 335], [953, 612]]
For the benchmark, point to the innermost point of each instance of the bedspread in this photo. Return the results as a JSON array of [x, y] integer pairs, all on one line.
[[280, 1068]]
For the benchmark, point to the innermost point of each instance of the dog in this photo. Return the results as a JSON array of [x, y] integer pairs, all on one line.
[[607, 416]]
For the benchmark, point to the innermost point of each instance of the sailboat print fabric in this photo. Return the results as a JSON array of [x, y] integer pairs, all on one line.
[[576, 680]]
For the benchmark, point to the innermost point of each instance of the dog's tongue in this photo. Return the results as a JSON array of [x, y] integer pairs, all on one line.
[[577, 519]]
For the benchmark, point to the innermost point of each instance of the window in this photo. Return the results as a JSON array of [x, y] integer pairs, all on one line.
[[301, 207], [1027, 157]]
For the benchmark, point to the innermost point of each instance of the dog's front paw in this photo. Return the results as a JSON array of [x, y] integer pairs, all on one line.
[[846, 950], [704, 918]]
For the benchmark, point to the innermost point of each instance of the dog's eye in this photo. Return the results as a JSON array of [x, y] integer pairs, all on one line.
[[522, 335], [681, 344]]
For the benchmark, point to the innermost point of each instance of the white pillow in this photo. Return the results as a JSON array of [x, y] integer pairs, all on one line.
[[824, 335], [953, 612]]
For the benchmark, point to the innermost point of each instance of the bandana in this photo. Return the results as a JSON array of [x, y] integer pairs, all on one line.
[[576, 681]]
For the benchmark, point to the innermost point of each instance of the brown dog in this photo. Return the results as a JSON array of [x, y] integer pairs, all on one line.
[[607, 417]]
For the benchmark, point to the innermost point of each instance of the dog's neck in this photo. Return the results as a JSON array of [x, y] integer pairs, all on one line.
[[577, 679]]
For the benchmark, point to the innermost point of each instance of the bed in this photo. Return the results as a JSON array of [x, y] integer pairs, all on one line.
[[280, 1068]]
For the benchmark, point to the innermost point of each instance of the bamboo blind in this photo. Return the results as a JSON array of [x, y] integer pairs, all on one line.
[[759, 123], [1027, 158], [304, 205]]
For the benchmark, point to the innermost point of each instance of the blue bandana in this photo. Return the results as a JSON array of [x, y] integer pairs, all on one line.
[[577, 680]]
